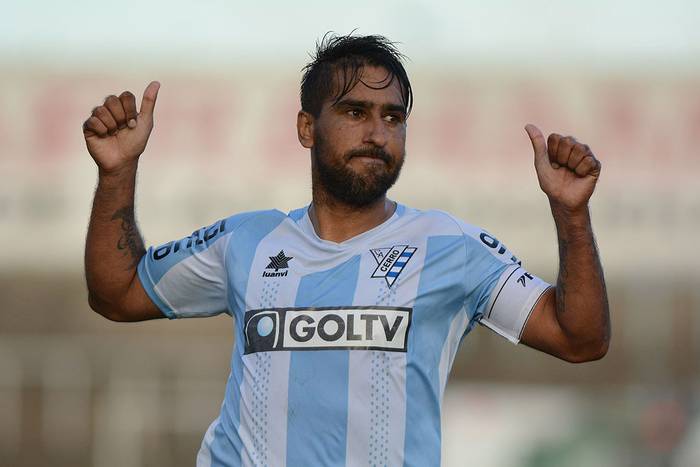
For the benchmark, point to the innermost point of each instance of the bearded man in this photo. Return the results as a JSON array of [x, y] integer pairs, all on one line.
[[347, 312]]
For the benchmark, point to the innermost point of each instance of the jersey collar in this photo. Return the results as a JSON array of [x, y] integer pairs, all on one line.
[[304, 222]]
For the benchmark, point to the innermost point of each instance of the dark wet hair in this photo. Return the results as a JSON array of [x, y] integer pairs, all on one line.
[[344, 57]]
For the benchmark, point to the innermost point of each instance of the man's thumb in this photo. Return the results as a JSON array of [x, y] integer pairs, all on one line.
[[150, 95], [539, 145]]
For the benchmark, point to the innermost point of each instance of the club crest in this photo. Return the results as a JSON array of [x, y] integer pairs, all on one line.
[[391, 261]]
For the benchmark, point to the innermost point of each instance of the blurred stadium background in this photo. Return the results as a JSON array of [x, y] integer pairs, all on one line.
[[624, 77]]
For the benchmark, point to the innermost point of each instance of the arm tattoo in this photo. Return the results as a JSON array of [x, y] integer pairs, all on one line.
[[130, 239]]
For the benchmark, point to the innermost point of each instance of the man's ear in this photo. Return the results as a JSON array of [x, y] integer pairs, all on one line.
[[305, 129]]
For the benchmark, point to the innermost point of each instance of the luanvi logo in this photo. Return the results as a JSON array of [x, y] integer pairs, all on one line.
[[280, 261], [391, 261], [349, 328]]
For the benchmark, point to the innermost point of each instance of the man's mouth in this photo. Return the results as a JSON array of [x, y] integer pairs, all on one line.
[[369, 156], [370, 160]]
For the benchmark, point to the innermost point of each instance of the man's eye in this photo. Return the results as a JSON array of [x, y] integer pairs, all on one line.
[[355, 113], [393, 119]]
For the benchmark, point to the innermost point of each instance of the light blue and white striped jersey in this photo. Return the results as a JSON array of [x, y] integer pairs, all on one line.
[[342, 350]]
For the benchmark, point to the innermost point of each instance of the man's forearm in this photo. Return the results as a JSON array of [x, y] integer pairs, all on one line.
[[581, 297], [114, 245]]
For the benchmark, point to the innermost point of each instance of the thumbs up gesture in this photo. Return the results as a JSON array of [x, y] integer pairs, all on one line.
[[116, 133], [566, 169]]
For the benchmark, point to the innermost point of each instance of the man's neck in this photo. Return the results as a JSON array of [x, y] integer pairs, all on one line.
[[336, 222]]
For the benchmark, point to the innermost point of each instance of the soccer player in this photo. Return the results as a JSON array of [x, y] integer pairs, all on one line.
[[347, 312]]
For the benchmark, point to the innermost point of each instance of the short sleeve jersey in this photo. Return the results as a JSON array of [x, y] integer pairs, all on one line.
[[342, 350]]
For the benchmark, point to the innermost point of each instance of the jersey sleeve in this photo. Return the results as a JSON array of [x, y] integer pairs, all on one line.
[[186, 278], [500, 293]]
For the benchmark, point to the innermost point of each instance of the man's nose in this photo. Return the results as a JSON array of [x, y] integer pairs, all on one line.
[[376, 131]]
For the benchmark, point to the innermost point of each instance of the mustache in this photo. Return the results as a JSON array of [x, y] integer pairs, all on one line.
[[370, 151]]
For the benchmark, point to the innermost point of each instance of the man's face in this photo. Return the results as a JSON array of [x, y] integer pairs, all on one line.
[[359, 142]]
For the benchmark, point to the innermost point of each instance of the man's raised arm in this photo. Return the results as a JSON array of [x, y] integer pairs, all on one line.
[[116, 134], [571, 322]]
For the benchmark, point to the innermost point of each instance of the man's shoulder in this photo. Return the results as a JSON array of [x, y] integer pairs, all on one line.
[[263, 220], [443, 222], [258, 213], [476, 239]]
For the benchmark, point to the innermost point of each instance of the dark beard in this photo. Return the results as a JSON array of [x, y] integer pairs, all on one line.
[[346, 185]]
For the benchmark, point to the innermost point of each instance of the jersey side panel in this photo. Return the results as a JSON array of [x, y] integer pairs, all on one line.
[[440, 298], [459, 328]]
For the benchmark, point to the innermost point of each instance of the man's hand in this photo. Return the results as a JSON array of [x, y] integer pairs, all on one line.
[[566, 169], [116, 134]]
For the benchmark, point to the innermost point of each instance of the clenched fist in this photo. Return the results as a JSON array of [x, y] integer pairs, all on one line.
[[116, 133], [566, 169]]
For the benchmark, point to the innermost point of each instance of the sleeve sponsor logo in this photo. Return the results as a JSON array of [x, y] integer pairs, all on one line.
[[332, 328], [198, 237], [493, 243]]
